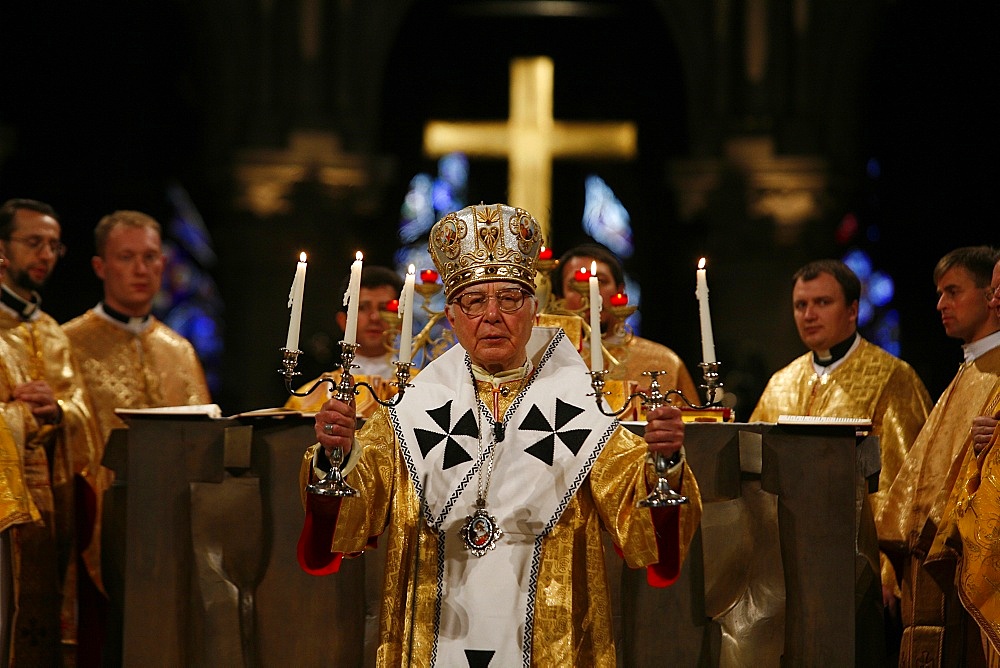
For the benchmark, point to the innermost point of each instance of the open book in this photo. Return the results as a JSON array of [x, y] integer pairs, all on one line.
[[820, 420], [206, 410]]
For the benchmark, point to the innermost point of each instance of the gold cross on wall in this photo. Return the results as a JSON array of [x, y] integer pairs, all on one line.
[[531, 138]]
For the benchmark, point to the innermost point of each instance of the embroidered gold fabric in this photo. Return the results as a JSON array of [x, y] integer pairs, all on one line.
[[968, 539], [572, 611], [52, 454], [16, 506], [158, 367], [912, 511]]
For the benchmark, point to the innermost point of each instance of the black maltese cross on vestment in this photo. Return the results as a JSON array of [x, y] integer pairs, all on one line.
[[454, 454], [573, 439]]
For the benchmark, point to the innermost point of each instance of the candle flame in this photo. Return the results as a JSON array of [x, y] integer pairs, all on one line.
[[411, 270], [358, 256], [302, 256], [701, 263], [593, 268]]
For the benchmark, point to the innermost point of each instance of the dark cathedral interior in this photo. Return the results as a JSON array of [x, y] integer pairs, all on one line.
[[769, 134], [766, 135]]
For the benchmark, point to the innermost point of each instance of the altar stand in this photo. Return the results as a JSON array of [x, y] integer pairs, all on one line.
[[773, 576], [200, 534]]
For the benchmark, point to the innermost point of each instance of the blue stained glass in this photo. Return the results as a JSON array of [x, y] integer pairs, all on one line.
[[860, 264], [605, 218], [881, 289]]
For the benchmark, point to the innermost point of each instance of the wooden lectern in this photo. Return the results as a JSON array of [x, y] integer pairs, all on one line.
[[200, 534], [784, 508]]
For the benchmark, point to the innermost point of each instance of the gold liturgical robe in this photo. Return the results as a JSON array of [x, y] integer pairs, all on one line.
[[912, 511], [571, 611], [43, 556], [572, 565], [146, 367], [16, 506], [967, 545]]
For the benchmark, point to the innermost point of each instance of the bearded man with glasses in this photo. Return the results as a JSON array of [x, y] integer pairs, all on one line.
[[45, 405], [493, 479]]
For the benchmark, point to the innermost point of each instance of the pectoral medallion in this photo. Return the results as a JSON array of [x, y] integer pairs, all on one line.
[[480, 532]]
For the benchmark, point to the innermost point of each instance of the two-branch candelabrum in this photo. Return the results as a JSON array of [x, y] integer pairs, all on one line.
[[333, 483]]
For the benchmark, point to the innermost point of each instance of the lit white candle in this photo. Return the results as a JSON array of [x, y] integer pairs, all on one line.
[[596, 358], [406, 311], [295, 302], [707, 339], [351, 299]]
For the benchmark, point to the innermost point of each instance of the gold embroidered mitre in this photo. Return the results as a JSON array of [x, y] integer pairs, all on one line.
[[486, 242]]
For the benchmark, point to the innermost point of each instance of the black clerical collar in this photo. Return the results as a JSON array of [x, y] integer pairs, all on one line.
[[25, 309], [835, 353], [123, 318]]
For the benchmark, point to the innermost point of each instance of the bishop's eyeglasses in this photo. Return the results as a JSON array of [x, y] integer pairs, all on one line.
[[474, 304], [35, 244]]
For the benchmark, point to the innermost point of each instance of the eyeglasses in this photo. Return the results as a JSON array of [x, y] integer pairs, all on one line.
[[474, 304], [35, 244]]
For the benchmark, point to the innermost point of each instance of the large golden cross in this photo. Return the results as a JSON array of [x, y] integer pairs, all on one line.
[[531, 138]]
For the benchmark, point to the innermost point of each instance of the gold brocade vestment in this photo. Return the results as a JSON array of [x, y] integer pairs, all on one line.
[[151, 367], [572, 616], [912, 511], [16, 505], [38, 349], [966, 550]]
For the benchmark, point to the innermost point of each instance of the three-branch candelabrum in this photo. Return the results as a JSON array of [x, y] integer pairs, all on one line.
[[333, 483]]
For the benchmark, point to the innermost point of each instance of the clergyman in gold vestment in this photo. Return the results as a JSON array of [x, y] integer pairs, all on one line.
[[128, 359], [844, 375], [494, 477], [936, 629], [966, 550], [46, 408]]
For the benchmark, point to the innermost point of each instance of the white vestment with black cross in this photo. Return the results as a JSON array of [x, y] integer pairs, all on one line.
[[547, 442]]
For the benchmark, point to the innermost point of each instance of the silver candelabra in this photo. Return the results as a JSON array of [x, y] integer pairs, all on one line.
[[663, 494], [333, 483]]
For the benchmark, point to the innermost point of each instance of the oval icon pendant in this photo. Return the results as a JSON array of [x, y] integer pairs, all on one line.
[[480, 532]]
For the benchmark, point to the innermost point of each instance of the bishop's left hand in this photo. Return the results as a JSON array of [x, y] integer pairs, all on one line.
[[664, 430]]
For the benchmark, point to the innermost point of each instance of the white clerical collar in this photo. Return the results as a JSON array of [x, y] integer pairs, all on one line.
[[22, 308], [496, 379], [136, 325], [980, 347], [825, 370]]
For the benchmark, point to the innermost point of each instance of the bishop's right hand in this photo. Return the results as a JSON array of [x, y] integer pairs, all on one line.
[[335, 424]]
